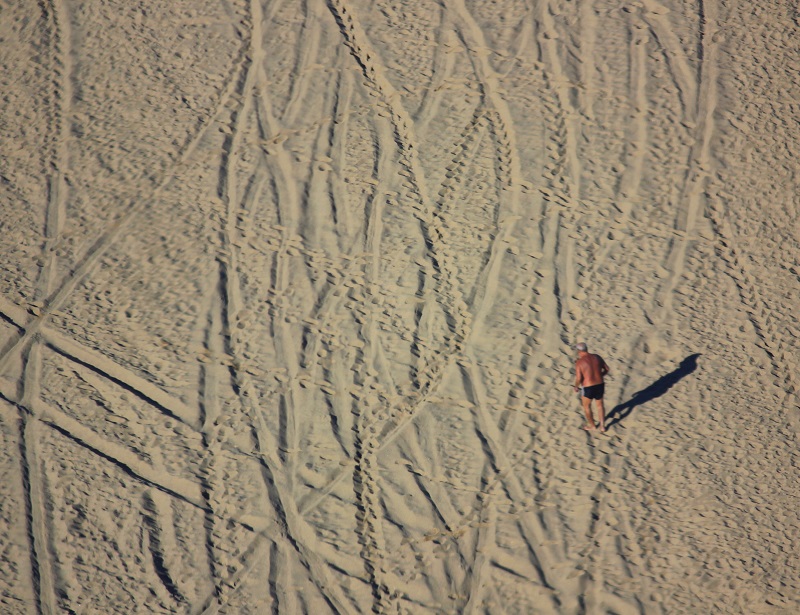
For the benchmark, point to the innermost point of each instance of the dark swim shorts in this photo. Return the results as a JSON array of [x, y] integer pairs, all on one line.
[[594, 392]]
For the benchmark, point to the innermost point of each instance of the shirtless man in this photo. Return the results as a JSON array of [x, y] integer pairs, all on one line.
[[589, 372]]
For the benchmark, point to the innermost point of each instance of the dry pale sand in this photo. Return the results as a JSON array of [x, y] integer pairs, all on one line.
[[289, 291]]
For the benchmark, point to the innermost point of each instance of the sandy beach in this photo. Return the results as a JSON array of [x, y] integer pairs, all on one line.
[[289, 295]]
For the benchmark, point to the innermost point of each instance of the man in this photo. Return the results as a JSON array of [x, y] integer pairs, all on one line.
[[590, 370]]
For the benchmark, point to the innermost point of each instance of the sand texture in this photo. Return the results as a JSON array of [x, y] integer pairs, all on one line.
[[289, 289]]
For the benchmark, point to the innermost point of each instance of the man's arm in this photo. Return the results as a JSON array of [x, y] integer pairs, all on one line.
[[578, 376], [604, 369]]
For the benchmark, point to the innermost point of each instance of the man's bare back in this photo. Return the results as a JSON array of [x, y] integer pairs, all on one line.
[[589, 370]]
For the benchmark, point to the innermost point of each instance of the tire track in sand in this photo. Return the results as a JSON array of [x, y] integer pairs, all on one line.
[[40, 544], [157, 513], [415, 450], [636, 143], [566, 175], [465, 149], [338, 133], [635, 154], [421, 452], [366, 478], [534, 533], [348, 24], [309, 47], [302, 365], [289, 217], [393, 432], [691, 197], [562, 172], [210, 413], [293, 528], [126, 460], [425, 211], [121, 376], [366, 406], [319, 334], [748, 285], [42, 547], [433, 232], [223, 308], [656, 16], [443, 63], [357, 44], [588, 70]]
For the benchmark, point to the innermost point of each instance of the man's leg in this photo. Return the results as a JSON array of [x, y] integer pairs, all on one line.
[[602, 411], [587, 409]]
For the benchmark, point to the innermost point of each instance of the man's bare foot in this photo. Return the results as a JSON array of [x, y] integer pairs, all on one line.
[[590, 428], [602, 429]]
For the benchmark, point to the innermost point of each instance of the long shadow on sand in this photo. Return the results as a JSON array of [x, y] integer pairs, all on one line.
[[655, 390]]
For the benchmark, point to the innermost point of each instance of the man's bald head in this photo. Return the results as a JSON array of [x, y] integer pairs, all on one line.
[[581, 347]]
